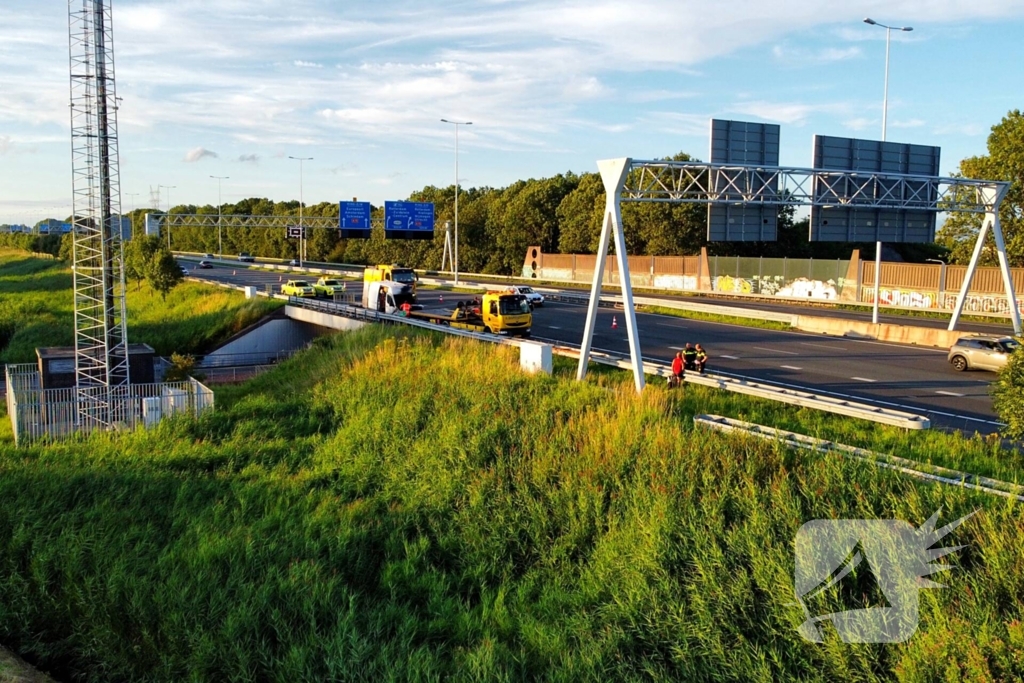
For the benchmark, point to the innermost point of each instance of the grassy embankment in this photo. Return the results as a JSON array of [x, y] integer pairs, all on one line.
[[390, 505], [37, 303]]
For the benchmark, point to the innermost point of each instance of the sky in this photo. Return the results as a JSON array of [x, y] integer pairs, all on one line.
[[234, 87]]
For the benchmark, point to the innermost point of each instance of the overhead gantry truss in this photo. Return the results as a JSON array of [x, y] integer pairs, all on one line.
[[193, 220], [699, 183], [684, 182]]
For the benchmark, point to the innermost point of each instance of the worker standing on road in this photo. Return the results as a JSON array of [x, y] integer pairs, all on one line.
[[690, 357], [701, 358], [677, 371]]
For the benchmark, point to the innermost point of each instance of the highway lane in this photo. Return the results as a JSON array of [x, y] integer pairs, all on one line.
[[886, 374], [997, 326]]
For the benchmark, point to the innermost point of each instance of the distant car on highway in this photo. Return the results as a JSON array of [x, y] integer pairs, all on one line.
[[298, 288], [328, 286], [532, 297], [246, 257], [981, 352], [207, 255], [205, 264], [294, 262]]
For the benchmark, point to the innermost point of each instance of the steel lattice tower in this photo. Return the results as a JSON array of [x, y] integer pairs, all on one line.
[[101, 342]]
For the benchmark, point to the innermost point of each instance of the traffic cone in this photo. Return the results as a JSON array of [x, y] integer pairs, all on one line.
[[279, 278], [440, 298], [234, 272], [615, 324]]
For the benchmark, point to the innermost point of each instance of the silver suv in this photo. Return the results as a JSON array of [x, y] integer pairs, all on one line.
[[982, 352]]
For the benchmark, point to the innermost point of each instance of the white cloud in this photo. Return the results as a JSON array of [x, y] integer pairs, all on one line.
[[194, 155], [909, 123], [6, 144], [307, 65], [794, 113], [858, 124], [248, 158], [804, 57]]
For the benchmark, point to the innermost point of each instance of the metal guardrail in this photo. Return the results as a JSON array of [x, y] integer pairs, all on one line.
[[804, 399], [913, 468]]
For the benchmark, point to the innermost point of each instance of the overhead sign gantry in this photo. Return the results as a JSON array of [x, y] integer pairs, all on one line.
[[683, 182]]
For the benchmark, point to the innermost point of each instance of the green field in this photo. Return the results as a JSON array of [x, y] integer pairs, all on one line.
[[37, 304], [392, 505]]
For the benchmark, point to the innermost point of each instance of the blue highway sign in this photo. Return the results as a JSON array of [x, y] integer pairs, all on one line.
[[355, 220], [409, 220]]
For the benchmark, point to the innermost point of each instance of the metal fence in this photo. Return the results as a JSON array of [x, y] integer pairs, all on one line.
[[55, 414]]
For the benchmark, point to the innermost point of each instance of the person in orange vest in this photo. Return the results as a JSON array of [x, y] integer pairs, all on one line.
[[677, 371]]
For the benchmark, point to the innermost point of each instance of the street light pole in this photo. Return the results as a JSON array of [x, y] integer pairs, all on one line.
[[220, 242], [302, 231], [457, 124], [885, 116], [167, 216]]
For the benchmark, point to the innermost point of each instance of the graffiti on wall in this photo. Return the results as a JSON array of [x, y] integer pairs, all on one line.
[[974, 303], [678, 282], [805, 288], [732, 285], [983, 303]]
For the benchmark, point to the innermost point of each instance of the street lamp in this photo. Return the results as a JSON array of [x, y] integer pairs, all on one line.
[[885, 114], [220, 241], [302, 232], [457, 124], [167, 216], [885, 93]]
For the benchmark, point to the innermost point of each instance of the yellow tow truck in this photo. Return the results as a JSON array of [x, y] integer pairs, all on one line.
[[497, 312], [392, 273]]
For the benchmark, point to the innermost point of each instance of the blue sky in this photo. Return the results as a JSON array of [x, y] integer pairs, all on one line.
[[233, 87]]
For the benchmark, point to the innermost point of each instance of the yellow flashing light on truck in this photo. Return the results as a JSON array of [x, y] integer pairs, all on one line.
[[498, 313]]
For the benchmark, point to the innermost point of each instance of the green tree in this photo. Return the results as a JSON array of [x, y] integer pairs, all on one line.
[[138, 255], [163, 272], [1004, 161], [579, 216], [1008, 395], [67, 248]]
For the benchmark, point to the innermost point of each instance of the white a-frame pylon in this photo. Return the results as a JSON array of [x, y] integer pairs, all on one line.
[[613, 175]]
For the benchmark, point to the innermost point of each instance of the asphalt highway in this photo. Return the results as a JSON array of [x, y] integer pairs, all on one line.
[[892, 375], [813, 308]]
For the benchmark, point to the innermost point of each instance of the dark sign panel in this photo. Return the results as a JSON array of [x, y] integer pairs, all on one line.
[[742, 143], [409, 220], [842, 220], [354, 220]]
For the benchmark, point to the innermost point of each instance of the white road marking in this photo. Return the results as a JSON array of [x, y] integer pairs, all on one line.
[[864, 379], [950, 393], [676, 348], [762, 348], [813, 389], [729, 357], [824, 346], [790, 367], [554, 327]]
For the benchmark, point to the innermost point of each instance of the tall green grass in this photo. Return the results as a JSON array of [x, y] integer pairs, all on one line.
[[391, 505], [37, 307]]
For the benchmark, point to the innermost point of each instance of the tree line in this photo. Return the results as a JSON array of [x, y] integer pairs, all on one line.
[[563, 214]]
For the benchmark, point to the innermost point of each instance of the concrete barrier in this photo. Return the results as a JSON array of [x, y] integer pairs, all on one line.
[[899, 334]]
